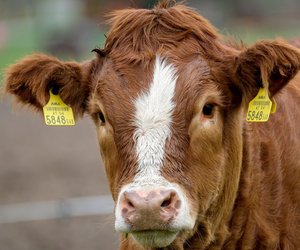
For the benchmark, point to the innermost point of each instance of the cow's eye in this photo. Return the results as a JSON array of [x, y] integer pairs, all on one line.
[[101, 117], [208, 110]]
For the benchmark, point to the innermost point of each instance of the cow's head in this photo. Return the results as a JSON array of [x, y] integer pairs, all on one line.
[[168, 98]]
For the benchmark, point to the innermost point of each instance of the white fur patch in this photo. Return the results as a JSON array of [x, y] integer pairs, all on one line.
[[153, 119]]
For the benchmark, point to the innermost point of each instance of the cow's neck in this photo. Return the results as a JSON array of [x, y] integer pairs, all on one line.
[[256, 214]]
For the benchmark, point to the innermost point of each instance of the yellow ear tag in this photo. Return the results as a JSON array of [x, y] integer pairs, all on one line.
[[259, 108], [274, 106], [57, 113]]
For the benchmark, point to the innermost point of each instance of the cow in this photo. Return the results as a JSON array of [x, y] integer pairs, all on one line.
[[169, 97]]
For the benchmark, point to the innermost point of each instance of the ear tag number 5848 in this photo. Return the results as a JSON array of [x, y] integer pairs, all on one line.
[[57, 113], [259, 108]]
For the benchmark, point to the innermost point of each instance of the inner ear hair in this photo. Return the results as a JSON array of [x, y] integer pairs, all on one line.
[[267, 64], [31, 78]]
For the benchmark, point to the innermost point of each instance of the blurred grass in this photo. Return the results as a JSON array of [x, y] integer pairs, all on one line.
[[25, 37], [251, 34], [21, 40]]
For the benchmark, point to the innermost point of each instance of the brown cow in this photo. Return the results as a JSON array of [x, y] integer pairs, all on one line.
[[169, 98]]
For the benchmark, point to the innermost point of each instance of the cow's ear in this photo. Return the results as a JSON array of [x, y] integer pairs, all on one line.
[[31, 79], [270, 64]]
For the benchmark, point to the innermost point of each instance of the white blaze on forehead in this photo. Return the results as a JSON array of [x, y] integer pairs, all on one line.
[[153, 119]]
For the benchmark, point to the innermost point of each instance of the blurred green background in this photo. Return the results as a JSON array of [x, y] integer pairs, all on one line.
[[70, 29]]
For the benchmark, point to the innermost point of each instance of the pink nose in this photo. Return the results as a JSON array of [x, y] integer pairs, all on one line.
[[150, 210]]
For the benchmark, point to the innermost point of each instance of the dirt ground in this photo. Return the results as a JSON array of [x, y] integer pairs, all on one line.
[[40, 163]]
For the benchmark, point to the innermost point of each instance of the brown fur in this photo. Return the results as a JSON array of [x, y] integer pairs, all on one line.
[[241, 178], [31, 79]]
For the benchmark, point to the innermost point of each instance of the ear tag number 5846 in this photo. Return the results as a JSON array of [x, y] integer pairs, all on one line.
[[57, 113]]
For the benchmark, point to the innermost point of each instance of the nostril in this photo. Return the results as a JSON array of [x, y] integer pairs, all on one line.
[[128, 199], [129, 203], [166, 203], [169, 200], [127, 206]]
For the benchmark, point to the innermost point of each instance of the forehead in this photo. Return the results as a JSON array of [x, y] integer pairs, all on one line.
[[120, 84]]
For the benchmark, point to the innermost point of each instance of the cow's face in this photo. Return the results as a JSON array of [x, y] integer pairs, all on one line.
[[169, 120], [162, 138]]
